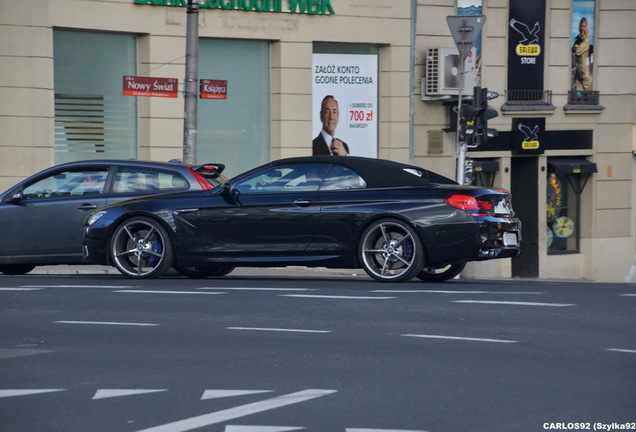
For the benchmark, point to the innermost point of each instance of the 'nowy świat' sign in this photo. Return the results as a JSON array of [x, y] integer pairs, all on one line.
[[149, 86]]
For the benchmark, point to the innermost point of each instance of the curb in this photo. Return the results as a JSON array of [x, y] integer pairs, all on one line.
[[240, 271]]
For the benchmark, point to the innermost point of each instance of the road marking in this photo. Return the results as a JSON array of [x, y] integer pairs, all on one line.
[[255, 289], [215, 394], [336, 297], [460, 338], [240, 411], [79, 286], [10, 393], [21, 352], [514, 303], [167, 292], [382, 430], [20, 289], [430, 291], [458, 292], [238, 428], [108, 323], [628, 295], [278, 329], [110, 393], [622, 350]]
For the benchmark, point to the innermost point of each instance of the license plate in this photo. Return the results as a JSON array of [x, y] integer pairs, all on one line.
[[510, 239]]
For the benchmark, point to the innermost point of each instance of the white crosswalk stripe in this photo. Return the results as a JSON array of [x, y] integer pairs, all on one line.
[[219, 416], [238, 428], [240, 411], [18, 392], [215, 394], [111, 393], [382, 430]]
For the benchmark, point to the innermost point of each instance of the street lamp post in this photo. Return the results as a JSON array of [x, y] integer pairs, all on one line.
[[465, 30], [191, 82]]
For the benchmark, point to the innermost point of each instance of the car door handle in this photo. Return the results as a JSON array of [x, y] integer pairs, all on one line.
[[303, 202], [87, 206]]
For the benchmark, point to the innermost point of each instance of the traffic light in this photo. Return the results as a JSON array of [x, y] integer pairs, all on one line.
[[468, 122], [481, 96]]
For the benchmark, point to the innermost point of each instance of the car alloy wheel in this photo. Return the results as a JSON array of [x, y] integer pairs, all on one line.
[[141, 248], [391, 251], [435, 274]]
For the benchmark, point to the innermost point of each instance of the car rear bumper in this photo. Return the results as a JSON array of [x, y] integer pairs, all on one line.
[[479, 239]]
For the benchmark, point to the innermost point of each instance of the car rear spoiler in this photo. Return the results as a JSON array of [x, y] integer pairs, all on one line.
[[211, 170]]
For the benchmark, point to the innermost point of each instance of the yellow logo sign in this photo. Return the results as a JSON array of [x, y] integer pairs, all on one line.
[[530, 145], [528, 50]]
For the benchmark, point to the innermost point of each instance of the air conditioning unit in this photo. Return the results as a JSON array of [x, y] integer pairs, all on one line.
[[443, 73]]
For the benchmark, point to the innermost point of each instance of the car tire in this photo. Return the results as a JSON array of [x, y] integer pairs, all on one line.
[[16, 269], [141, 248], [204, 272], [390, 250], [433, 274]]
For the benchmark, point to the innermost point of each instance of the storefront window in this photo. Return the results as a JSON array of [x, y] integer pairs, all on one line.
[[566, 180], [235, 130], [93, 120]]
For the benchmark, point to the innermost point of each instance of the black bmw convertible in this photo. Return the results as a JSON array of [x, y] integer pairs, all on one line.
[[396, 221]]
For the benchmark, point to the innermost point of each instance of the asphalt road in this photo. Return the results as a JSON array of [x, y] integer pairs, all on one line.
[[270, 351]]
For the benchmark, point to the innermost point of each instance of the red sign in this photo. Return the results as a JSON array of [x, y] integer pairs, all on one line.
[[149, 86], [213, 89]]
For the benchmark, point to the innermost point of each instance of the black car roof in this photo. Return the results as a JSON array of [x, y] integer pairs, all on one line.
[[376, 172], [118, 162]]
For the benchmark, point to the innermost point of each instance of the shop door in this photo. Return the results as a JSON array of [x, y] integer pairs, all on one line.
[[525, 201]]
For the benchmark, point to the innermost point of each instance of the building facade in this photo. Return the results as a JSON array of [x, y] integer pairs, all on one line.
[[86, 79]]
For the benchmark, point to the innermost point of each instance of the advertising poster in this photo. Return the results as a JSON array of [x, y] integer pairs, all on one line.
[[582, 38], [345, 104], [526, 53], [471, 7]]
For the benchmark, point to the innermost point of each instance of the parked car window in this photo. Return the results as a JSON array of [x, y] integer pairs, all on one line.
[[298, 177], [67, 183], [340, 177], [130, 180]]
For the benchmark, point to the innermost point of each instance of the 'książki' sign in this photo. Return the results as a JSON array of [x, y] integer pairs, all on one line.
[[213, 89], [149, 86]]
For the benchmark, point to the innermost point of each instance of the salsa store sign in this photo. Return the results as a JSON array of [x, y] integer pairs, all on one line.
[[213, 89], [149, 86], [526, 36]]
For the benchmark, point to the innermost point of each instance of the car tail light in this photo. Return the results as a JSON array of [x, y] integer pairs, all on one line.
[[202, 181], [472, 205]]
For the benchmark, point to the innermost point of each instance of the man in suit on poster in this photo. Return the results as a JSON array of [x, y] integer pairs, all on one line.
[[326, 142]]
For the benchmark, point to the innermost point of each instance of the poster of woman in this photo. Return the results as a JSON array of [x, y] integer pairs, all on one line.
[[582, 37]]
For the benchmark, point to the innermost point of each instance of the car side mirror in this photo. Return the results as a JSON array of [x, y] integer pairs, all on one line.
[[14, 197], [227, 189], [230, 193]]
